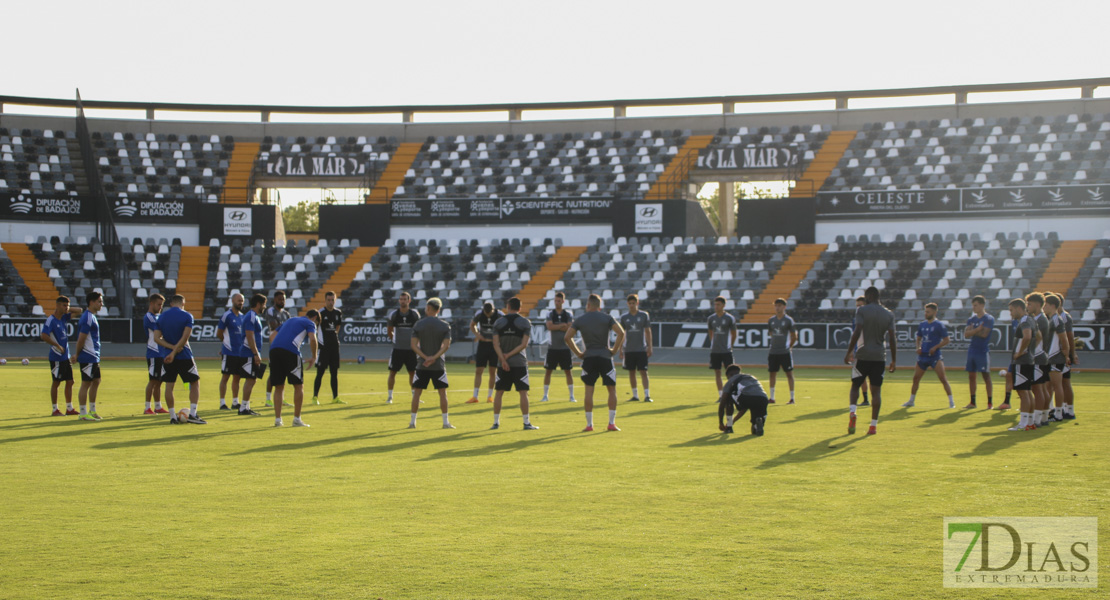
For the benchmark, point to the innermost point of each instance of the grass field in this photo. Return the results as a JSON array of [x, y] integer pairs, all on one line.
[[360, 507]]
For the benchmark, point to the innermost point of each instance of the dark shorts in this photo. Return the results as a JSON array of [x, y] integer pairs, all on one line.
[[402, 359], [636, 361], [871, 370], [1057, 368], [1040, 374], [1067, 371], [185, 368], [979, 362], [231, 365], [89, 371], [61, 370], [756, 404], [517, 376], [485, 355], [927, 361], [559, 358], [328, 358], [1024, 376], [598, 366], [154, 368], [720, 360], [780, 361], [248, 371], [421, 378], [285, 367]]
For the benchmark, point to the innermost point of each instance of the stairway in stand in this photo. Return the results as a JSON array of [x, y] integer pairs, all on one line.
[[192, 275], [36, 280], [341, 279], [1065, 265], [544, 279], [785, 281]]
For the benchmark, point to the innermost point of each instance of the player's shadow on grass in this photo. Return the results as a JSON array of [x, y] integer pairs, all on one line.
[[717, 439], [419, 441], [948, 418], [520, 444], [160, 441], [823, 414], [824, 449], [665, 409], [75, 428], [999, 420], [293, 446], [1004, 440]]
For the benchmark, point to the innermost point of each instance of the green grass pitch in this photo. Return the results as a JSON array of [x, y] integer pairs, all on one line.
[[360, 507]]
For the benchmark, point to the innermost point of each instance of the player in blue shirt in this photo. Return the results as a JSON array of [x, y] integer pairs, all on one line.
[[88, 356], [932, 335], [287, 365], [174, 328], [230, 333], [252, 368], [154, 355], [979, 328], [54, 333]]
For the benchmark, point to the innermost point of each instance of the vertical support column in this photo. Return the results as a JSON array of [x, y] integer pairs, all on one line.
[[726, 208]]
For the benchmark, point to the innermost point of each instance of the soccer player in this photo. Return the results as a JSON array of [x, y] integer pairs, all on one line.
[[253, 368], [286, 364], [154, 355], [873, 321], [597, 358], [230, 333], [275, 316], [860, 301], [781, 328], [1058, 353], [429, 339], [399, 328], [1035, 307], [174, 328], [932, 335], [485, 355], [1021, 365], [637, 345], [88, 356], [54, 334], [511, 335], [979, 327], [1073, 359], [722, 337], [743, 393], [558, 354], [331, 319]]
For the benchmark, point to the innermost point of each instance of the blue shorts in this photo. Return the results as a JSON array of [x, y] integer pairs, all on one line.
[[978, 363], [926, 361]]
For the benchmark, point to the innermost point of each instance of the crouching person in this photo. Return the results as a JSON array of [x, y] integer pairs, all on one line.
[[742, 393]]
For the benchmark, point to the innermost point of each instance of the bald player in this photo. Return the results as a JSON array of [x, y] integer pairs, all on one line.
[[597, 358]]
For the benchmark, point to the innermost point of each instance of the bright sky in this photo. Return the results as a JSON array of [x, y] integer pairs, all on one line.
[[438, 52]]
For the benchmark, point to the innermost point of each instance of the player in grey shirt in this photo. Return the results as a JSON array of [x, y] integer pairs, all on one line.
[[1034, 303], [1058, 353], [873, 323], [1022, 367], [722, 336], [783, 339], [1073, 359], [597, 358], [431, 337], [275, 316], [637, 345], [558, 353], [511, 335], [399, 328]]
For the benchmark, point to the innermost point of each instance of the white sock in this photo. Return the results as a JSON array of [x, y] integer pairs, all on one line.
[[497, 419], [612, 417], [1024, 420], [526, 421], [589, 419], [147, 405], [1069, 409], [912, 396], [570, 388], [476, 390], [545, 389], [950, 398], [647, 393], [56, 405], [246, 405], [772, 393], [412, 420], [83, 410], [277, 420], [234, 400], [635, 393], [223, 402], [69, 405], [157, 404], [268, 398], [192, 410], [391, 395], [852, 408], [445, 421], [874, 422], [92, 407], [729, 420], [791, 395], [489, 393]]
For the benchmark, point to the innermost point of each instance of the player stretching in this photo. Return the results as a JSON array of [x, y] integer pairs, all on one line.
[[430, 338], [781, 327], [742, 393], [932, 335], [174, 328], [1058, 353], [54, 334], [331, 318], [230, 333], [860, 301], [873, 322], [399, 328], [558, 354], [252, 368], [484, 355], [978, 330], [597, 358], [1021, 365], [287, 365], [1035, 307], [722, 337], [154, 355], [637, 345], [88, 356], [511, 334], [275, 316]]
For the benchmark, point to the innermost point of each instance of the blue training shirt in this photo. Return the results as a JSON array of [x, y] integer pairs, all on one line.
[[252, 325], [150, 325], [981, 345], [293, 333], [90, 352], [232, 326], [172, 323], [931, 334], [56, 329]]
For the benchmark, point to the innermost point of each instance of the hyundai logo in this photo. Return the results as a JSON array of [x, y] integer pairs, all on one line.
[[648, 211], [237, 215]]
